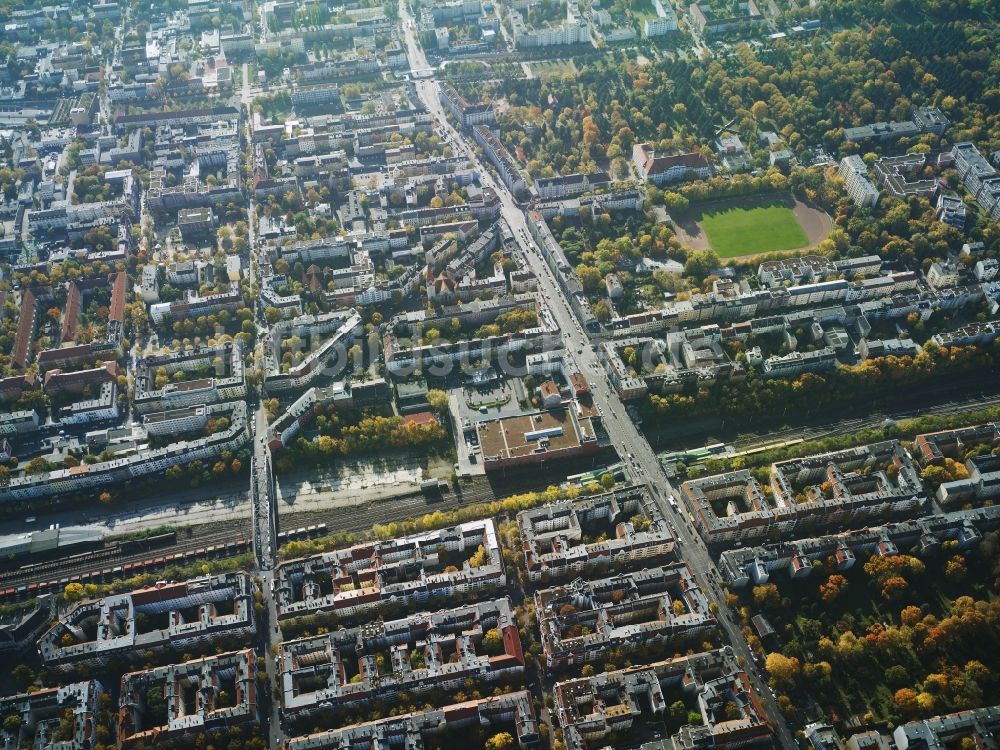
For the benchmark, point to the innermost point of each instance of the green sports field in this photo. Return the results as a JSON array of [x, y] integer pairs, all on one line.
[[733, 232]]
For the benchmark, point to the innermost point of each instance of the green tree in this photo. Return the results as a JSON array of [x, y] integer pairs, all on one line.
[[602, 310], [700, 263], [23, 676]]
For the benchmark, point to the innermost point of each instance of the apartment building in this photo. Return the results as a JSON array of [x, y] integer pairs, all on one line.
[[194, 223], [193, 304], [733, 304], [178, 118], [13, 387], [165, 616], [664, 23], [408, 570], [846, 487], [924, 120], [339, 395], [47, 711], [808, 269], [311, 96], [856, 181], [978, 176], [894, 347], [104, 405], [58, 382], [933, 447], [500, 157], [795, 363], [980, 725], [855, 474], [903, 176], [571, 185], [175, 421], [466, 113], [234, 45], [756, 565], [704, 17], [403, 354], [595, 710], [573, 30], [987, 269], [628, 199], [553, 537], [513, 711], [983, 480], [415, 655], [214, 692], [19, 422], [62, 214], [328, 337], [950, 209], [972, 334], [582, 620], [801, 270], [228, 383], [629, 387]]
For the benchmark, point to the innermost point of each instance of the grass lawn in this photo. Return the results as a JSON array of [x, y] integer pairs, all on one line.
[[733, 232], [642, 9], [551, 68]]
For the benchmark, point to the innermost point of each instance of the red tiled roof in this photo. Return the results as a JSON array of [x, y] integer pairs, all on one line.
[[57, 380], [25, 329], [420, 417], [18, 384], [580, 384], [548, 388], [118, 297], [657, 164], [64, 354], [71, 314]]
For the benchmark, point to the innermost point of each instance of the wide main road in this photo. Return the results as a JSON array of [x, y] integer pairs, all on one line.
[[630, 443]]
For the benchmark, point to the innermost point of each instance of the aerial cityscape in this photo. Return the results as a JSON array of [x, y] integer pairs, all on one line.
[[500, 374]]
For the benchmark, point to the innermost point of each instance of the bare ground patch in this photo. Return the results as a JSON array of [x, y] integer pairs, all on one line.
[[690, 233], [817, 224]]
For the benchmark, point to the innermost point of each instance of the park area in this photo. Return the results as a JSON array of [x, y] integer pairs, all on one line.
[[552, 68], [740, 227]]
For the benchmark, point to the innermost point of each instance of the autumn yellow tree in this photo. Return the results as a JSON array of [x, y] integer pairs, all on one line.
[[73, 592], [784, 669], [766, 596], [500, 741]]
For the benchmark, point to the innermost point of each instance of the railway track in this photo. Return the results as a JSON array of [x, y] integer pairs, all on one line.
[[112, 563], [233, 538], [361, 518], [775, 438]]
